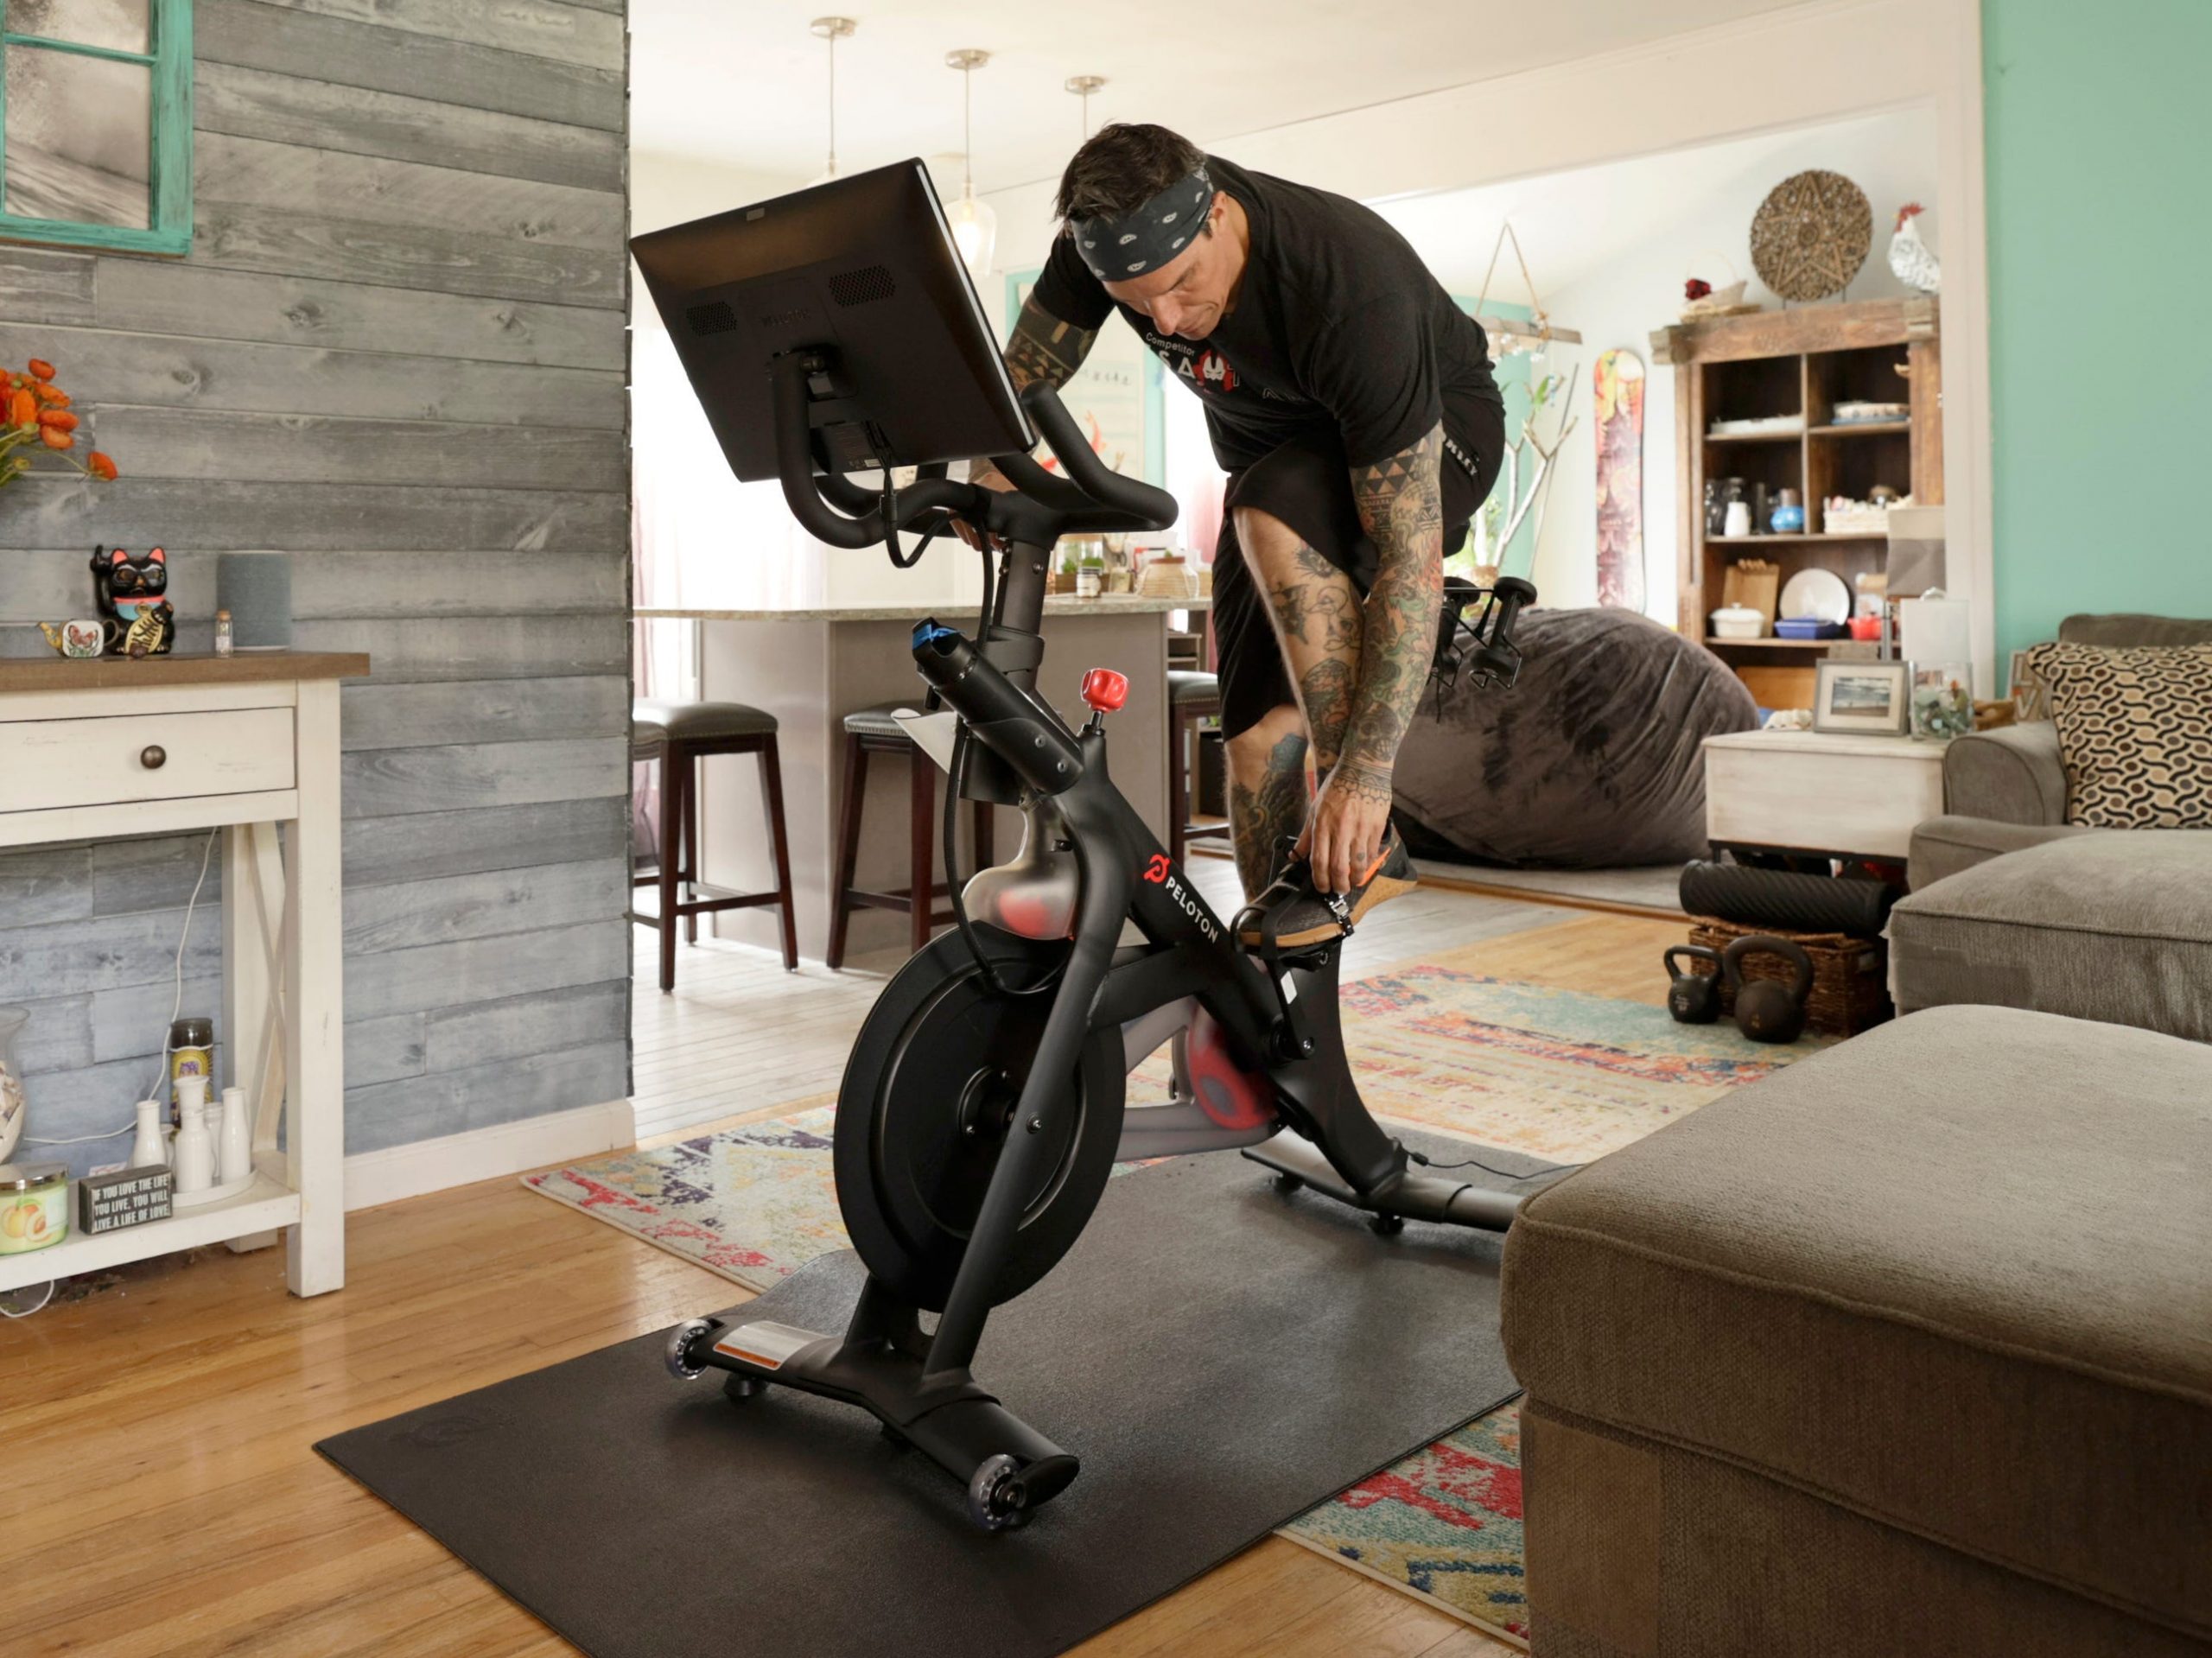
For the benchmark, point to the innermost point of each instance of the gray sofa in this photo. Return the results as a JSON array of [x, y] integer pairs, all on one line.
[[2014, 906], [1900, 1350]]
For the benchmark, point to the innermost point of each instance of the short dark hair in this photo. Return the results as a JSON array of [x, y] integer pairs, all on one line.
[[1121, 166]]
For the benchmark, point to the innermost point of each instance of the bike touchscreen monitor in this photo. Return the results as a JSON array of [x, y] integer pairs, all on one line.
[[862, 274]]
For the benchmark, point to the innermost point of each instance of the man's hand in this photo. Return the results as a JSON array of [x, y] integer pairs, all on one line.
[[986, 476], [1343, 837]]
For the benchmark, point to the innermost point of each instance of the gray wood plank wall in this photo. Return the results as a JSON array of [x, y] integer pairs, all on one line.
[[397, 349]]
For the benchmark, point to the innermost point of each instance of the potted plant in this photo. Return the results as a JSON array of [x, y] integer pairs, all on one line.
[[36, 419]]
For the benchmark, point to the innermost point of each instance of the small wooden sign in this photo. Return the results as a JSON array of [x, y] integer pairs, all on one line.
[[107, 1203]]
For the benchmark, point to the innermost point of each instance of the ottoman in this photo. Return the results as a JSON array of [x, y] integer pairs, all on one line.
[[2114, 926], [1906, 1348]]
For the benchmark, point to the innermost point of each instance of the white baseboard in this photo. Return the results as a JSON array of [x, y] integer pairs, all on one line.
[[426, 1165]]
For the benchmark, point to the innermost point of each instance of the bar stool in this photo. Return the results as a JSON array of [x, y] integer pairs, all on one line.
[[679, 736], [874, 731], [1191, 698]]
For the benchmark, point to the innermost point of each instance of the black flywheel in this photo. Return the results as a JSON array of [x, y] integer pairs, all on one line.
[[929, 1102]]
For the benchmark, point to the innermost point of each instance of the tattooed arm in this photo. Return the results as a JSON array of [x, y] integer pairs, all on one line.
[[1400, 508], [1043, 348]]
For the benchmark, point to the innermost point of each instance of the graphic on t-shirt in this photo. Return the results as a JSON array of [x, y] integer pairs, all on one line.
[[1212, 371]]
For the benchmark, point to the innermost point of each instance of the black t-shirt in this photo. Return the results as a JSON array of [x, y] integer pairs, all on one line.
[[1339, 327]]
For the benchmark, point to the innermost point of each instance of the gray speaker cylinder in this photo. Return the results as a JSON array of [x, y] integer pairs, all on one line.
[[257, 589]]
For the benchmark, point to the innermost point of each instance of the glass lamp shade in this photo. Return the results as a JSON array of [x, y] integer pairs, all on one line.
[[974, 233]]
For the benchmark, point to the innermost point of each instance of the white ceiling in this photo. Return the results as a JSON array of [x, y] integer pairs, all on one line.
[[741, 82], [1571, 225]]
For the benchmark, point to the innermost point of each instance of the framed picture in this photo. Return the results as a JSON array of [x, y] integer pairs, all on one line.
[[96, 124], [1872, 698], [2031, 700]]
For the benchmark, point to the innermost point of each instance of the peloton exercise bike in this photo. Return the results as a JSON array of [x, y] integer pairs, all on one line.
[[834, 331]]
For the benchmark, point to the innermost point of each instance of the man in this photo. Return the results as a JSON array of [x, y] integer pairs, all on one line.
[[1351, 403]]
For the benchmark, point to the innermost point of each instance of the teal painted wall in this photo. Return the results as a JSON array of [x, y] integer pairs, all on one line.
[[2099, 126]]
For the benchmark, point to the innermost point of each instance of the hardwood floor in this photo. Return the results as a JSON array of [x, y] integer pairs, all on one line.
[[162, 1498]]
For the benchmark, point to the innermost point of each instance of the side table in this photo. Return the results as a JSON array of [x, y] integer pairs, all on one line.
[[1826, 793], [245, 744]]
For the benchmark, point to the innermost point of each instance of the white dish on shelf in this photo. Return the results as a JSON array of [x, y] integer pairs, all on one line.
[[1737, 622], [1764, 426], [1821, 596], [1848, 413]]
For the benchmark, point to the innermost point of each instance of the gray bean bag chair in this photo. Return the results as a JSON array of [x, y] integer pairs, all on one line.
[[1590, 761]]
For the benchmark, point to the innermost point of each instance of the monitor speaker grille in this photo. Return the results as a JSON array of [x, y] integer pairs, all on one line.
[[859, 287], [716, 317]]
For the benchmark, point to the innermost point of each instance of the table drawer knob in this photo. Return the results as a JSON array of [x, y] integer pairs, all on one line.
[[153, 757]]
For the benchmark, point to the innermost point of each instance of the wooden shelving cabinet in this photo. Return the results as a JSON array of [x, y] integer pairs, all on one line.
[[1798, 363]]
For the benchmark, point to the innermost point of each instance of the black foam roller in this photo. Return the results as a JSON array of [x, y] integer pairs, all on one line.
[[1787, 899]]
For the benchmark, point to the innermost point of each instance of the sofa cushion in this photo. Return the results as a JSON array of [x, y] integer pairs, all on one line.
[[2134, 733], [1954, 1275], [2011, 774], [1941, 847], [2115, 927], [2123, 627]]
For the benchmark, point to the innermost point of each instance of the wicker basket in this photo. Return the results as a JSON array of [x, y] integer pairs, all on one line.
[[1851, 979]]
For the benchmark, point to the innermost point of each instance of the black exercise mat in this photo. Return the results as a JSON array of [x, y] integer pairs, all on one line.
[[1222, 1358]]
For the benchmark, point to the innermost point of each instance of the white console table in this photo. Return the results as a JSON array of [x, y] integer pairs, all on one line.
[[245, 744], [1821, 791]]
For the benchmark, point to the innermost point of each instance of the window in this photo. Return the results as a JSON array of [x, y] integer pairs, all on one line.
[[96, 124]]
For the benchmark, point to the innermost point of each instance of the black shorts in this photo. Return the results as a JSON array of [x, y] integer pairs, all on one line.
[[1307, 484]]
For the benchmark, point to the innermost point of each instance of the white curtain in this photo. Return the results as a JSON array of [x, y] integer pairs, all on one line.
[[699, 539]]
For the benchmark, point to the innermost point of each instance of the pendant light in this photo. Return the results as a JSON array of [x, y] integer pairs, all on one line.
[[975, 227], [831, 30], [1082, 87]]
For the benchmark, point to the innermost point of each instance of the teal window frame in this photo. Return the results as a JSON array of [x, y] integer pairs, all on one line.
[[169, 168]]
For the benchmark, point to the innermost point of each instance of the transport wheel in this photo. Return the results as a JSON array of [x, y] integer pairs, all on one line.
[[681, 1365], [995, 1496], [1287, 1184], [928, 1103]]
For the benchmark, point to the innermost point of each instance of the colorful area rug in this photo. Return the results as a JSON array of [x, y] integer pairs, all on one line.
[[1444, 1524], [1558, 1074]]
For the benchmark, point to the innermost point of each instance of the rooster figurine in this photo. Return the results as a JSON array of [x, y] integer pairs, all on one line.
[[1910, 257]]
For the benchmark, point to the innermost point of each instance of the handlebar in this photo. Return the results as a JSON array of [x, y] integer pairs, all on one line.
[[1490, 655], [1096, 497], [809, 496], [1090, 497]]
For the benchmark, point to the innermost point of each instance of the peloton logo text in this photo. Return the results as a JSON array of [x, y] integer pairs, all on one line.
[[1156, 873]]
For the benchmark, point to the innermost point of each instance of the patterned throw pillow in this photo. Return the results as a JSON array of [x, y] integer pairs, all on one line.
[[2134, 733]]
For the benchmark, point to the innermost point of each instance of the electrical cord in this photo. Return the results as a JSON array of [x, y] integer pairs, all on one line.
[[25, 1312], [1491, 1168], [184, 938]]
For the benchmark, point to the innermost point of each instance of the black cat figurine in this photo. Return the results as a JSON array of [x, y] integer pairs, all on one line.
[[136, 619]]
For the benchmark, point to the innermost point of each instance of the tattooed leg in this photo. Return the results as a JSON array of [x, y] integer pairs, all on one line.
[[1316, 611], [1267, 793]]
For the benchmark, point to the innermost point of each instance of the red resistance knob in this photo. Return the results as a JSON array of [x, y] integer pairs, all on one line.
[[1105, 690]]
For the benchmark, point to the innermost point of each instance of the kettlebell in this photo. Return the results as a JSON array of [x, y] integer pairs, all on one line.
[[1694, 998], [1766, 1009]]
